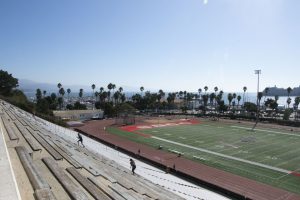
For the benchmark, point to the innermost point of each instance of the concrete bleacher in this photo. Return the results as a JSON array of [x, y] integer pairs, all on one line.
[[50, 165]]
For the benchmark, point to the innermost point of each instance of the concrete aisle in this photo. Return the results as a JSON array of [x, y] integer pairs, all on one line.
[[8, 186]]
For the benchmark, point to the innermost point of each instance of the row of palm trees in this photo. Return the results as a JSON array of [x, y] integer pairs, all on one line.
[[213, 98]]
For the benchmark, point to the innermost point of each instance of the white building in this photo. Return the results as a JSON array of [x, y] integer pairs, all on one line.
[[80, 115]]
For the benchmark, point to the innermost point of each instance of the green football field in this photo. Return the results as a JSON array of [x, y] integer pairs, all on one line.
[[266, 155]]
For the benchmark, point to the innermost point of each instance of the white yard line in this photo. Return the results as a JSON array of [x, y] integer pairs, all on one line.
[[246, 128], [226, 156]]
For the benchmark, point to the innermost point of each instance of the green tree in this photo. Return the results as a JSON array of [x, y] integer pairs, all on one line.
[[38, 94], [287, 113], [250, 107], [79, 106], [7, 83]]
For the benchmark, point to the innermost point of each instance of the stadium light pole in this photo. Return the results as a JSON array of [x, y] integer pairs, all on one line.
[[258, 72]]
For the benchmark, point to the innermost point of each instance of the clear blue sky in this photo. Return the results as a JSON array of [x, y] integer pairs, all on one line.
[[163, 44]]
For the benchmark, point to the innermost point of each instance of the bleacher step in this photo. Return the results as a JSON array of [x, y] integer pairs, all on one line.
[[91, 188], [34, 175], [67, 183]]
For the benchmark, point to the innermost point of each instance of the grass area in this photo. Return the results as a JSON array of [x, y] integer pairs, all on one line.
[[274, 148]]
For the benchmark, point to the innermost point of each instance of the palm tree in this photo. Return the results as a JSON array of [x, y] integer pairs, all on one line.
[[205, 100], [38, 94], [62, 93], [233, 96], [297, 101], [212, 97], [44, 93], [184, 97], [199, 91], [239, 99], [113, 87], [101, 89], [288, 101], [142, 89], [80, 93], [68, 91], [93, 87], [229, 97], [276, 98], [96, 95], [161, 93], [205, 88], [244, 89], [116, 96], [259, 96], [266, 92], [59, 86], [289, 90], [216, 90], [108, 94], [123, 98], [109, 87]]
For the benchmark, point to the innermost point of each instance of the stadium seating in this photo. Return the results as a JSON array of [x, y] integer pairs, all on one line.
[[65, 169]]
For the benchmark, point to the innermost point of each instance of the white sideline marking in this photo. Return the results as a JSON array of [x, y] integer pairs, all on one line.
[[226, 156], [297, 135]]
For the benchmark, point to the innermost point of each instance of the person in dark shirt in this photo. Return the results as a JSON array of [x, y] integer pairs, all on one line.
[[79, 139], [133, 166]]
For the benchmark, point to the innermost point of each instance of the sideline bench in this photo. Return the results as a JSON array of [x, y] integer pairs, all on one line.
[[67, 183], [34, 175], [91, 188]]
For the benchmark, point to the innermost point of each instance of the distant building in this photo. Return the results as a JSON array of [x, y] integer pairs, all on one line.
[[80, 115]]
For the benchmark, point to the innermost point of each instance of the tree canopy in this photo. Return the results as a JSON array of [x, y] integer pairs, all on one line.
[[7, 82]]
